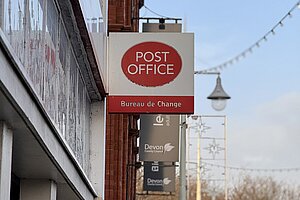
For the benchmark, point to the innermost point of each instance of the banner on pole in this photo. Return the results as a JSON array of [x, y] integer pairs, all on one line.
[[159, 176], [159, 138]]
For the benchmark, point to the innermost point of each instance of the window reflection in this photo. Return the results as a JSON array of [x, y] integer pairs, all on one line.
[[39, 39]]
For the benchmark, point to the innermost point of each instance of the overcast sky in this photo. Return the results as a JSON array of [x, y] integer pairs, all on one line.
[[264, 112]]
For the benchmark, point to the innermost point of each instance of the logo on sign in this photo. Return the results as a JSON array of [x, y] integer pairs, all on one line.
[[168, 147], [160, 119], [155, 168], [158, 182], [148, 148], [151, 64]]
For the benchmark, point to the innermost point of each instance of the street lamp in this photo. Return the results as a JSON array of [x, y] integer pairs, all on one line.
[[218, 96], [219, 99]]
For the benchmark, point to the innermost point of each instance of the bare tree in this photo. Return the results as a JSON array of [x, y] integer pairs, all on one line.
[[263, 188], [246, 188]]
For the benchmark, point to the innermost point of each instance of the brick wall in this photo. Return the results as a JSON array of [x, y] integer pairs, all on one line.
[[121, 129], [121, 150], [123, 15]]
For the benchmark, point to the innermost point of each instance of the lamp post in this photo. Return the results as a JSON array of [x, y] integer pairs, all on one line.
[[183, 186], [219, 98]]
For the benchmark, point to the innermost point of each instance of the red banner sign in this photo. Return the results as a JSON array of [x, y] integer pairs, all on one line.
[[151, 104]]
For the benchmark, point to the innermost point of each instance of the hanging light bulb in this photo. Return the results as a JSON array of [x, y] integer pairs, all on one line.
[[273, 31], [281, 24]]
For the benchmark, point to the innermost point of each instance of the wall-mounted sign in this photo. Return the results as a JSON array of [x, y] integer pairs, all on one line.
[[151, 73], [159, 138], [159, 176]]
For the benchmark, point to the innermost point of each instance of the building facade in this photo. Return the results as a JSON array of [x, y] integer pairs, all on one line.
[[52, 99]]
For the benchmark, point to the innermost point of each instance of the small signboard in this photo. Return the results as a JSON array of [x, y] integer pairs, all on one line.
[[159, 138], [151, 73], [159, 176], [167, 27]]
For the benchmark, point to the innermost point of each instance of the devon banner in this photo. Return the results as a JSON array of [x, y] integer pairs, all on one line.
[[151, 73], [159, 176], [159, 138]]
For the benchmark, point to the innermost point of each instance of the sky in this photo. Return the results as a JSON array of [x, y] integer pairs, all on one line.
[[264, 110]]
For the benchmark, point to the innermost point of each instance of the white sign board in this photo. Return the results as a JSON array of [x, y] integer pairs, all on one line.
[[151, 73]]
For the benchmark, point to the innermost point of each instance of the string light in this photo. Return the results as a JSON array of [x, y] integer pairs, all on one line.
[[281, 24], [257, 44], [254, 169], [250, 49], [282, 170], [273, 32]]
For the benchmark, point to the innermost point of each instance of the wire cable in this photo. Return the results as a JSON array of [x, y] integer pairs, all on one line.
[[155, 13]]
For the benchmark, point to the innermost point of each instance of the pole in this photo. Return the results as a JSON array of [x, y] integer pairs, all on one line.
[[183, 124], [198, 194], [225, 152], [188, 163]]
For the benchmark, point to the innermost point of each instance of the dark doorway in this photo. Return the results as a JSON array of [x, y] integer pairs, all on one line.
[[15, 187]]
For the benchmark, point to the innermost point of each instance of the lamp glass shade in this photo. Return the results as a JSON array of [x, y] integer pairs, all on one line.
[[218, 104]]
